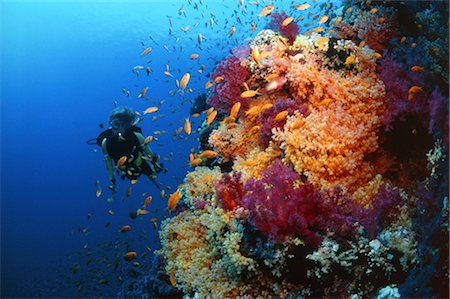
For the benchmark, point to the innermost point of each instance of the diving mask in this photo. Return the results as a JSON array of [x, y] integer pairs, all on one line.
[[120, 126]]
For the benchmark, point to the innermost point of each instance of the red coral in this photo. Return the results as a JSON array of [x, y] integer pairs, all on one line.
[[229, 190], [227, 91], [280, 209], [290, 31]]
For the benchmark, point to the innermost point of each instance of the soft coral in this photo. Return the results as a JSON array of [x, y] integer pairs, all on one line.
[[282, 206]]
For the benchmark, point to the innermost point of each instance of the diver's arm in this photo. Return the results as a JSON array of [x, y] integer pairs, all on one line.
[[144, 147], [108, 161]]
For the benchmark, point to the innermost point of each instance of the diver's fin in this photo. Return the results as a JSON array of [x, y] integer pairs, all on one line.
[[155, 183]]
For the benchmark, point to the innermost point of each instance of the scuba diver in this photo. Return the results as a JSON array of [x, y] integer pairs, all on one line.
[[125, 145]]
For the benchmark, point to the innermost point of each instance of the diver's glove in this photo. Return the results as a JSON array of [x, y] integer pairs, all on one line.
[[156, 166]]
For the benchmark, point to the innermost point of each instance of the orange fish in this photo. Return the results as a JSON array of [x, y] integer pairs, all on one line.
[[232, 30], [99, 191], [208, 85], [350, 60], [287, 21], [129, 256], [194, 56], [195, 115], [195, 162], [403, 39], [302, 7], [208, 112], [281, 116], [373, 10], [121, 161], [142, 212], [148, 139], [228, 119], [257, 57], [208, 154], [250, 93], [146, 51], [250, 163], [147, 201], [187, 126], [211, 117], [413, 91], [143, 92], [173, 199], [232, 125], [253, 27], [218, 79], [323, 19], [178, 131], [235, 109], [376, 55], [417, 68], [271, 76], [350, 9], [173, 282], [266, 10], [151, 110], [184, 81], [362, 44], [318, 29], [254, 130], [125, 228]]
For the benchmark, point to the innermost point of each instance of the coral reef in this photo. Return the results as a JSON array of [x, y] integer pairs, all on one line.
[[332, 177]]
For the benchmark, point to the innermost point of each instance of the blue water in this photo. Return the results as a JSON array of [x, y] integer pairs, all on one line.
[[63, 67]]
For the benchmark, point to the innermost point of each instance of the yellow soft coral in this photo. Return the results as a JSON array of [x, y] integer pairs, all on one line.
[[256, 161], [202, 253], [199, 184]]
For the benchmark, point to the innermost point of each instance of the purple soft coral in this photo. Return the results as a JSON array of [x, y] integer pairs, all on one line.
[[281, 209], [290, 31], [266, 118], [384, 208], [227, 91]]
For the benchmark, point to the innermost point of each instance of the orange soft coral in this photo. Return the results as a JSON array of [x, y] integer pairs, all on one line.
[[256, 161], [229, 142], [329, 146]]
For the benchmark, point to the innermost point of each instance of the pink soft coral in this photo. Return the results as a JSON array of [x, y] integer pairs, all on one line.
[[227, 91], [266, 118], [281, 206], [290, 31]]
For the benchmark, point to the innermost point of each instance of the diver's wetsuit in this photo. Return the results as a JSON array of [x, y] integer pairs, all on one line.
[[131, 148]]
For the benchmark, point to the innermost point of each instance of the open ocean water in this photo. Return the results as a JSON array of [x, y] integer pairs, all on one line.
[[316, 164]]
